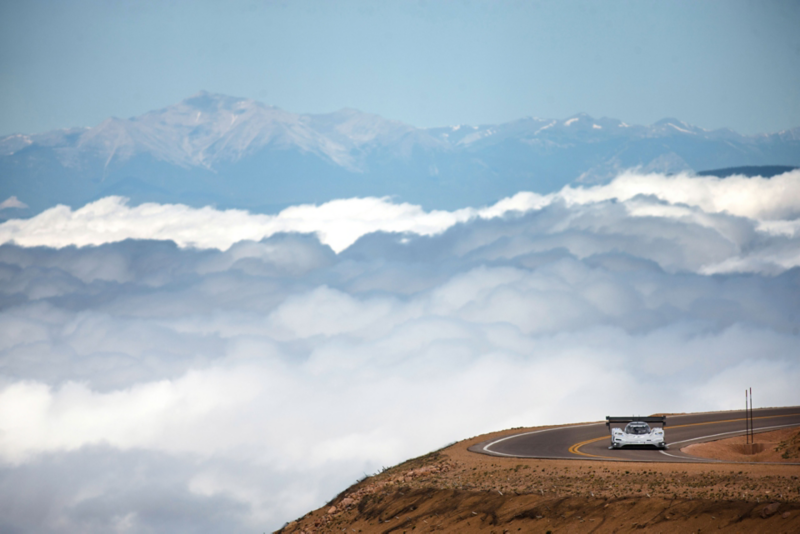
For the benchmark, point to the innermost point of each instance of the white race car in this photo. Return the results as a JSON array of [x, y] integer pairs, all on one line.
[[637, 432]]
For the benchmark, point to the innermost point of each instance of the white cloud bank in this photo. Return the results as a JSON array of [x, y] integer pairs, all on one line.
[[231, 386], [339, 223]]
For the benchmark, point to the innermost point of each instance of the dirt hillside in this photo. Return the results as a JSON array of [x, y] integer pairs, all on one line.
[[454, 490], [777, 446]]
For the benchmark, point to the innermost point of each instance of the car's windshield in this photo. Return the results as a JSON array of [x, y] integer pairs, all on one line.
[[637, 428]]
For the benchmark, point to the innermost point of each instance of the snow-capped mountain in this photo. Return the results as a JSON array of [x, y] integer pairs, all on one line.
[[235, 152]]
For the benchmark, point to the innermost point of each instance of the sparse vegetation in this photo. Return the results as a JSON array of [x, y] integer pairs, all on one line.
[[789, 448]]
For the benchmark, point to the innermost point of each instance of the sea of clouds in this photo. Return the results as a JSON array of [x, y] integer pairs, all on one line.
[[170, 369]]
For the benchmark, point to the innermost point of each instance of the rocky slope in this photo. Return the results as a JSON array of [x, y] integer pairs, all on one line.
[[453, 490]]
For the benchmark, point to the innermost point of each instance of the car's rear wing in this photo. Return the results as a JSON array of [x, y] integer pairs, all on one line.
[[658, 419]]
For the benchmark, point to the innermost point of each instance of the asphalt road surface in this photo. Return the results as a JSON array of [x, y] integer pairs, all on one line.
[[591, 440]]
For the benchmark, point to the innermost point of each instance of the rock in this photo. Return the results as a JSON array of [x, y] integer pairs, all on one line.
[[332, 510], [786, 515], [770, 509], [347, 501]]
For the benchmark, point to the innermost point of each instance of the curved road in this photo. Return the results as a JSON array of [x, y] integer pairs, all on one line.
[[591, 440]]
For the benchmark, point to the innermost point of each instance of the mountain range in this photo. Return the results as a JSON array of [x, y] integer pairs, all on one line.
[[228, 152]]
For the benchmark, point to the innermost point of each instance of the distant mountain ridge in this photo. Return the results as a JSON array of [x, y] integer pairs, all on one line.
[[236, 152], [765, 171]]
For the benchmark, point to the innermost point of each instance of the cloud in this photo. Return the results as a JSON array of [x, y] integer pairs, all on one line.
[[12, 202], [756, 198], [234, 385], [340, 223], [337, 223]]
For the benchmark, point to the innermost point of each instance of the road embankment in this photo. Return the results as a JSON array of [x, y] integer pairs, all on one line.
[[454, 490]]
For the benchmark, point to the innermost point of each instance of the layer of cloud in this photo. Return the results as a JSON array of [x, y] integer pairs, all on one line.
[[234, 385], [339, 223]]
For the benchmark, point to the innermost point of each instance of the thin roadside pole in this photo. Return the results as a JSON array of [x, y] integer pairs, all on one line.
[[748, 420], [752, 432]]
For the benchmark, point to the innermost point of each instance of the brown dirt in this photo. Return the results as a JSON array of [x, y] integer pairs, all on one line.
[[454, 490], [776, 446]]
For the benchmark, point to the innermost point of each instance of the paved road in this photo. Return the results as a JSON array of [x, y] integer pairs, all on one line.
[[591, 440]]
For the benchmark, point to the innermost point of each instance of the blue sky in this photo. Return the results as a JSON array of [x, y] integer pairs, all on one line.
[[714, 64]]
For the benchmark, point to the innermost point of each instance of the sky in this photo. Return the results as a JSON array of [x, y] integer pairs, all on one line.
[[713, 64]]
